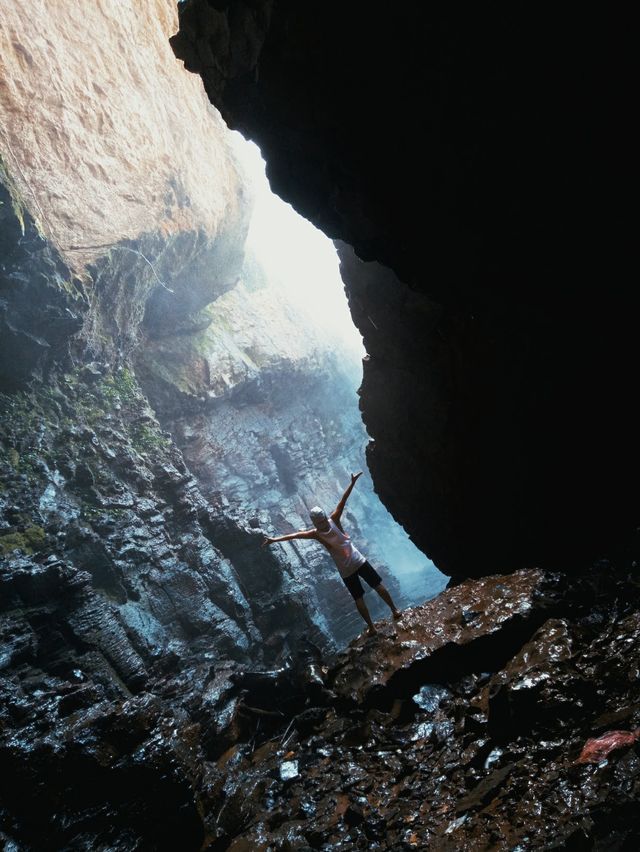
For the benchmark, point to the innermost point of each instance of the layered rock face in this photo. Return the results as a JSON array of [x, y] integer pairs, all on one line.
[[482, 157], [501, 715], [106, 172]]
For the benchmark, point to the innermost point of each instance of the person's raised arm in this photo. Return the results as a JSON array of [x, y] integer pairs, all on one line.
[[337, 512], [289, 537]]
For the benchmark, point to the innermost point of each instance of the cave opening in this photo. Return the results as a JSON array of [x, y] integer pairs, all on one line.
[[282, 431]]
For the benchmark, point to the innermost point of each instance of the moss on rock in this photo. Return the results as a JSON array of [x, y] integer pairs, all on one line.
[[30, 540]]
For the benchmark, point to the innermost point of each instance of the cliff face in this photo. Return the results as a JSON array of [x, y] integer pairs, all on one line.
[[484, 159], [104, 157]]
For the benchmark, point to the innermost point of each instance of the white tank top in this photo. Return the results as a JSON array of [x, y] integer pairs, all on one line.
[[347, 557]]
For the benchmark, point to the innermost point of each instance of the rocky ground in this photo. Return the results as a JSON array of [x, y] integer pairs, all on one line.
[[459, 727]]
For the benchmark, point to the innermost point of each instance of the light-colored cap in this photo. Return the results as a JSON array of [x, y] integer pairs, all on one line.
[[317, 514]]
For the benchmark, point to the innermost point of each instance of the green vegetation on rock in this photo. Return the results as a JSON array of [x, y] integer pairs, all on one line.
[[29, 541], [121, 387], [14, 458], [146, 439]]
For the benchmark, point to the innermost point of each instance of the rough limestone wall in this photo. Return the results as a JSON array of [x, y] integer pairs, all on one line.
[[104, 165], [104, 155]]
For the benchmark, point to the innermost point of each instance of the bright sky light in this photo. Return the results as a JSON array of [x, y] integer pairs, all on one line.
[[298, 258], [302, 263]]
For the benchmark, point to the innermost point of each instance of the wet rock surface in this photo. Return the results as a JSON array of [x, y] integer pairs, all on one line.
[[156, 693], [423, 754], [431, 638], [114, 597], [91, 480]]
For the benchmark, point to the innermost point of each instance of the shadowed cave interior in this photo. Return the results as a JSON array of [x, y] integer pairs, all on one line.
[[180, 376]]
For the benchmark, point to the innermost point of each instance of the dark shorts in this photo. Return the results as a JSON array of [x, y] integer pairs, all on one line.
[[365, 572]]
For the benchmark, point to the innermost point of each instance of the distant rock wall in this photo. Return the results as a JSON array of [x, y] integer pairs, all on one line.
[[264, 408]]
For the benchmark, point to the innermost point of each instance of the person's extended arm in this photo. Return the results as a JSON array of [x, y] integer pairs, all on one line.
[[337, 512], [289, 536]]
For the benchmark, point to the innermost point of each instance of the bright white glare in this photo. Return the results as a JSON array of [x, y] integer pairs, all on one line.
[[298, 259]]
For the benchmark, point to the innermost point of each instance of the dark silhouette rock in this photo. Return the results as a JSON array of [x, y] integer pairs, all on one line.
[[464, 157]]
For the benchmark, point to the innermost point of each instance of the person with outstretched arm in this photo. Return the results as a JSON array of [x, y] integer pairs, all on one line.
[[351, 564]]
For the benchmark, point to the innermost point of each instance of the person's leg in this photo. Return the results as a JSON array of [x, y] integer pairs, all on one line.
[[357, 593], [364, 612], [386, 597], [371, 576]]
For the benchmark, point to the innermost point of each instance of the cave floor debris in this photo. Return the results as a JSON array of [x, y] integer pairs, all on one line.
[[458, 727]]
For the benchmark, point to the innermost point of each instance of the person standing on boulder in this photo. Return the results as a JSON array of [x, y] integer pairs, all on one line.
[[351, 564]]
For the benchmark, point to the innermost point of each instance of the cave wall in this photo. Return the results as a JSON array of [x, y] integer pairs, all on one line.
[[482, 156]]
